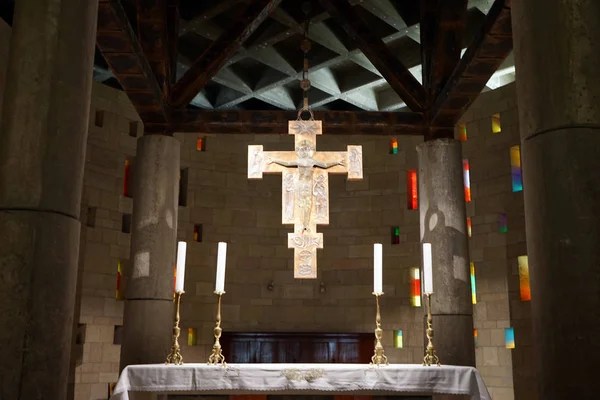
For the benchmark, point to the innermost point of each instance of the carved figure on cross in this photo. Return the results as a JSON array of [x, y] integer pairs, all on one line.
[[305, 192]]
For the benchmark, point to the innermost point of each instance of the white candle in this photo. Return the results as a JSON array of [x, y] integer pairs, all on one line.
[[180, 274], [378, 268], [221, 257], [427, 268]]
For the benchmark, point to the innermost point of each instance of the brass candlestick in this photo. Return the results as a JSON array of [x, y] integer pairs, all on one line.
[[217, 356], [430, 356], [379, 357], [175, 356]]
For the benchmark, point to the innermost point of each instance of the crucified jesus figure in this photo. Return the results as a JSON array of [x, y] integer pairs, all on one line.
[[305, 163]]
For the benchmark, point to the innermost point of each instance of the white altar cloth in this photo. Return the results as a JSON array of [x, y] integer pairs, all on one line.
[[399, 379]]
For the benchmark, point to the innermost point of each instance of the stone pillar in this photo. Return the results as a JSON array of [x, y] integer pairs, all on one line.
[[43, 137], [444, 224], [148, 315], [558, 88]]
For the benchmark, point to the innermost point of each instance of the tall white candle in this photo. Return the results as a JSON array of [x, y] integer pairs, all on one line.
[[221, 258], [427, 268], [377, 268], [180, 274]]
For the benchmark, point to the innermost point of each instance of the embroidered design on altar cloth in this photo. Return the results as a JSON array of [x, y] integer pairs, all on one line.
[[298, 375]]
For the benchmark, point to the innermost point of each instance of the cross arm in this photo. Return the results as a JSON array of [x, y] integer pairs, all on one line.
[[258, 161], [352, 162]]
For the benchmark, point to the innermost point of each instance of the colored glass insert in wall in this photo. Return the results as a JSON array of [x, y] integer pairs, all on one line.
[[515, 168], [126, 223], [183, 186], [502, 223], [197, 233], [509, 338], [91, 217], [415, 287], [475, 336], [127, 178], [496, 126], [412, 194], [462, 132], [119, 294], [80, 334], [467, 180], [133, 128], [473, 288], [99, 118], [118, 334], [524, 289], [201, 143], [394, 146], [398, 342], [395, 235], [191, 336], [469, 226]]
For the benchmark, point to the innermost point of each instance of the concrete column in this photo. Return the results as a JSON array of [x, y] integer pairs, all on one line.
[[558, 88], [43, 136], [444, 225], [148, 316]]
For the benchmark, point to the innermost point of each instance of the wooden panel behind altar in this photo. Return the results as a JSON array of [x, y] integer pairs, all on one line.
[[240, 347]]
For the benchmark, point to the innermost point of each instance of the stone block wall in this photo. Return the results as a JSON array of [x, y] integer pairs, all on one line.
[[247, 215], [497, 240], [113, 128]]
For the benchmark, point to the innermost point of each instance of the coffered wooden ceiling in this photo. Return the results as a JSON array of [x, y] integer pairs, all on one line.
[[376, 66]]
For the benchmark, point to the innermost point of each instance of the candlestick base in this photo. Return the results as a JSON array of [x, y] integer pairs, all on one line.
[[175, 356], [217, 356], [379, 358], [430, 356]]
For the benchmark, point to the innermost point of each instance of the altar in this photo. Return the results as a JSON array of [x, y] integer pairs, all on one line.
[[158, 381]]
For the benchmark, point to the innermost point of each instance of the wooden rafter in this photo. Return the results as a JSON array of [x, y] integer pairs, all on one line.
[[152, 34], [442, 26], [397, 75], [172, 41], [483, 57], [427, 31], [123, 53], [276, 122], [215, 57]]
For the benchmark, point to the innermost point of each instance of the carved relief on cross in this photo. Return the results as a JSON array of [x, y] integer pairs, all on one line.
[[305, 187]]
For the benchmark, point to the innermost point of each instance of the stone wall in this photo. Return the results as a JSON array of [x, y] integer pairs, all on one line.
[[498, 239], [247, 215]]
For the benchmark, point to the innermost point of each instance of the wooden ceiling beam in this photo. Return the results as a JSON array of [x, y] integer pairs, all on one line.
[[219, 52], [122, 51], [152, 34], [442, 27], [395, 73], [172, 41], [484, 55], [276, 122]]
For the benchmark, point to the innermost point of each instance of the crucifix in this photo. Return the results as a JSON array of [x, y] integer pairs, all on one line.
[[305, 187]]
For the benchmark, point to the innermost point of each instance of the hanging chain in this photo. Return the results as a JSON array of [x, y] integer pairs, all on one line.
[[305, 46]]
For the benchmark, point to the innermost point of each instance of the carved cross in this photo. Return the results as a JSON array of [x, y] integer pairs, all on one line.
[[305, 187]]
